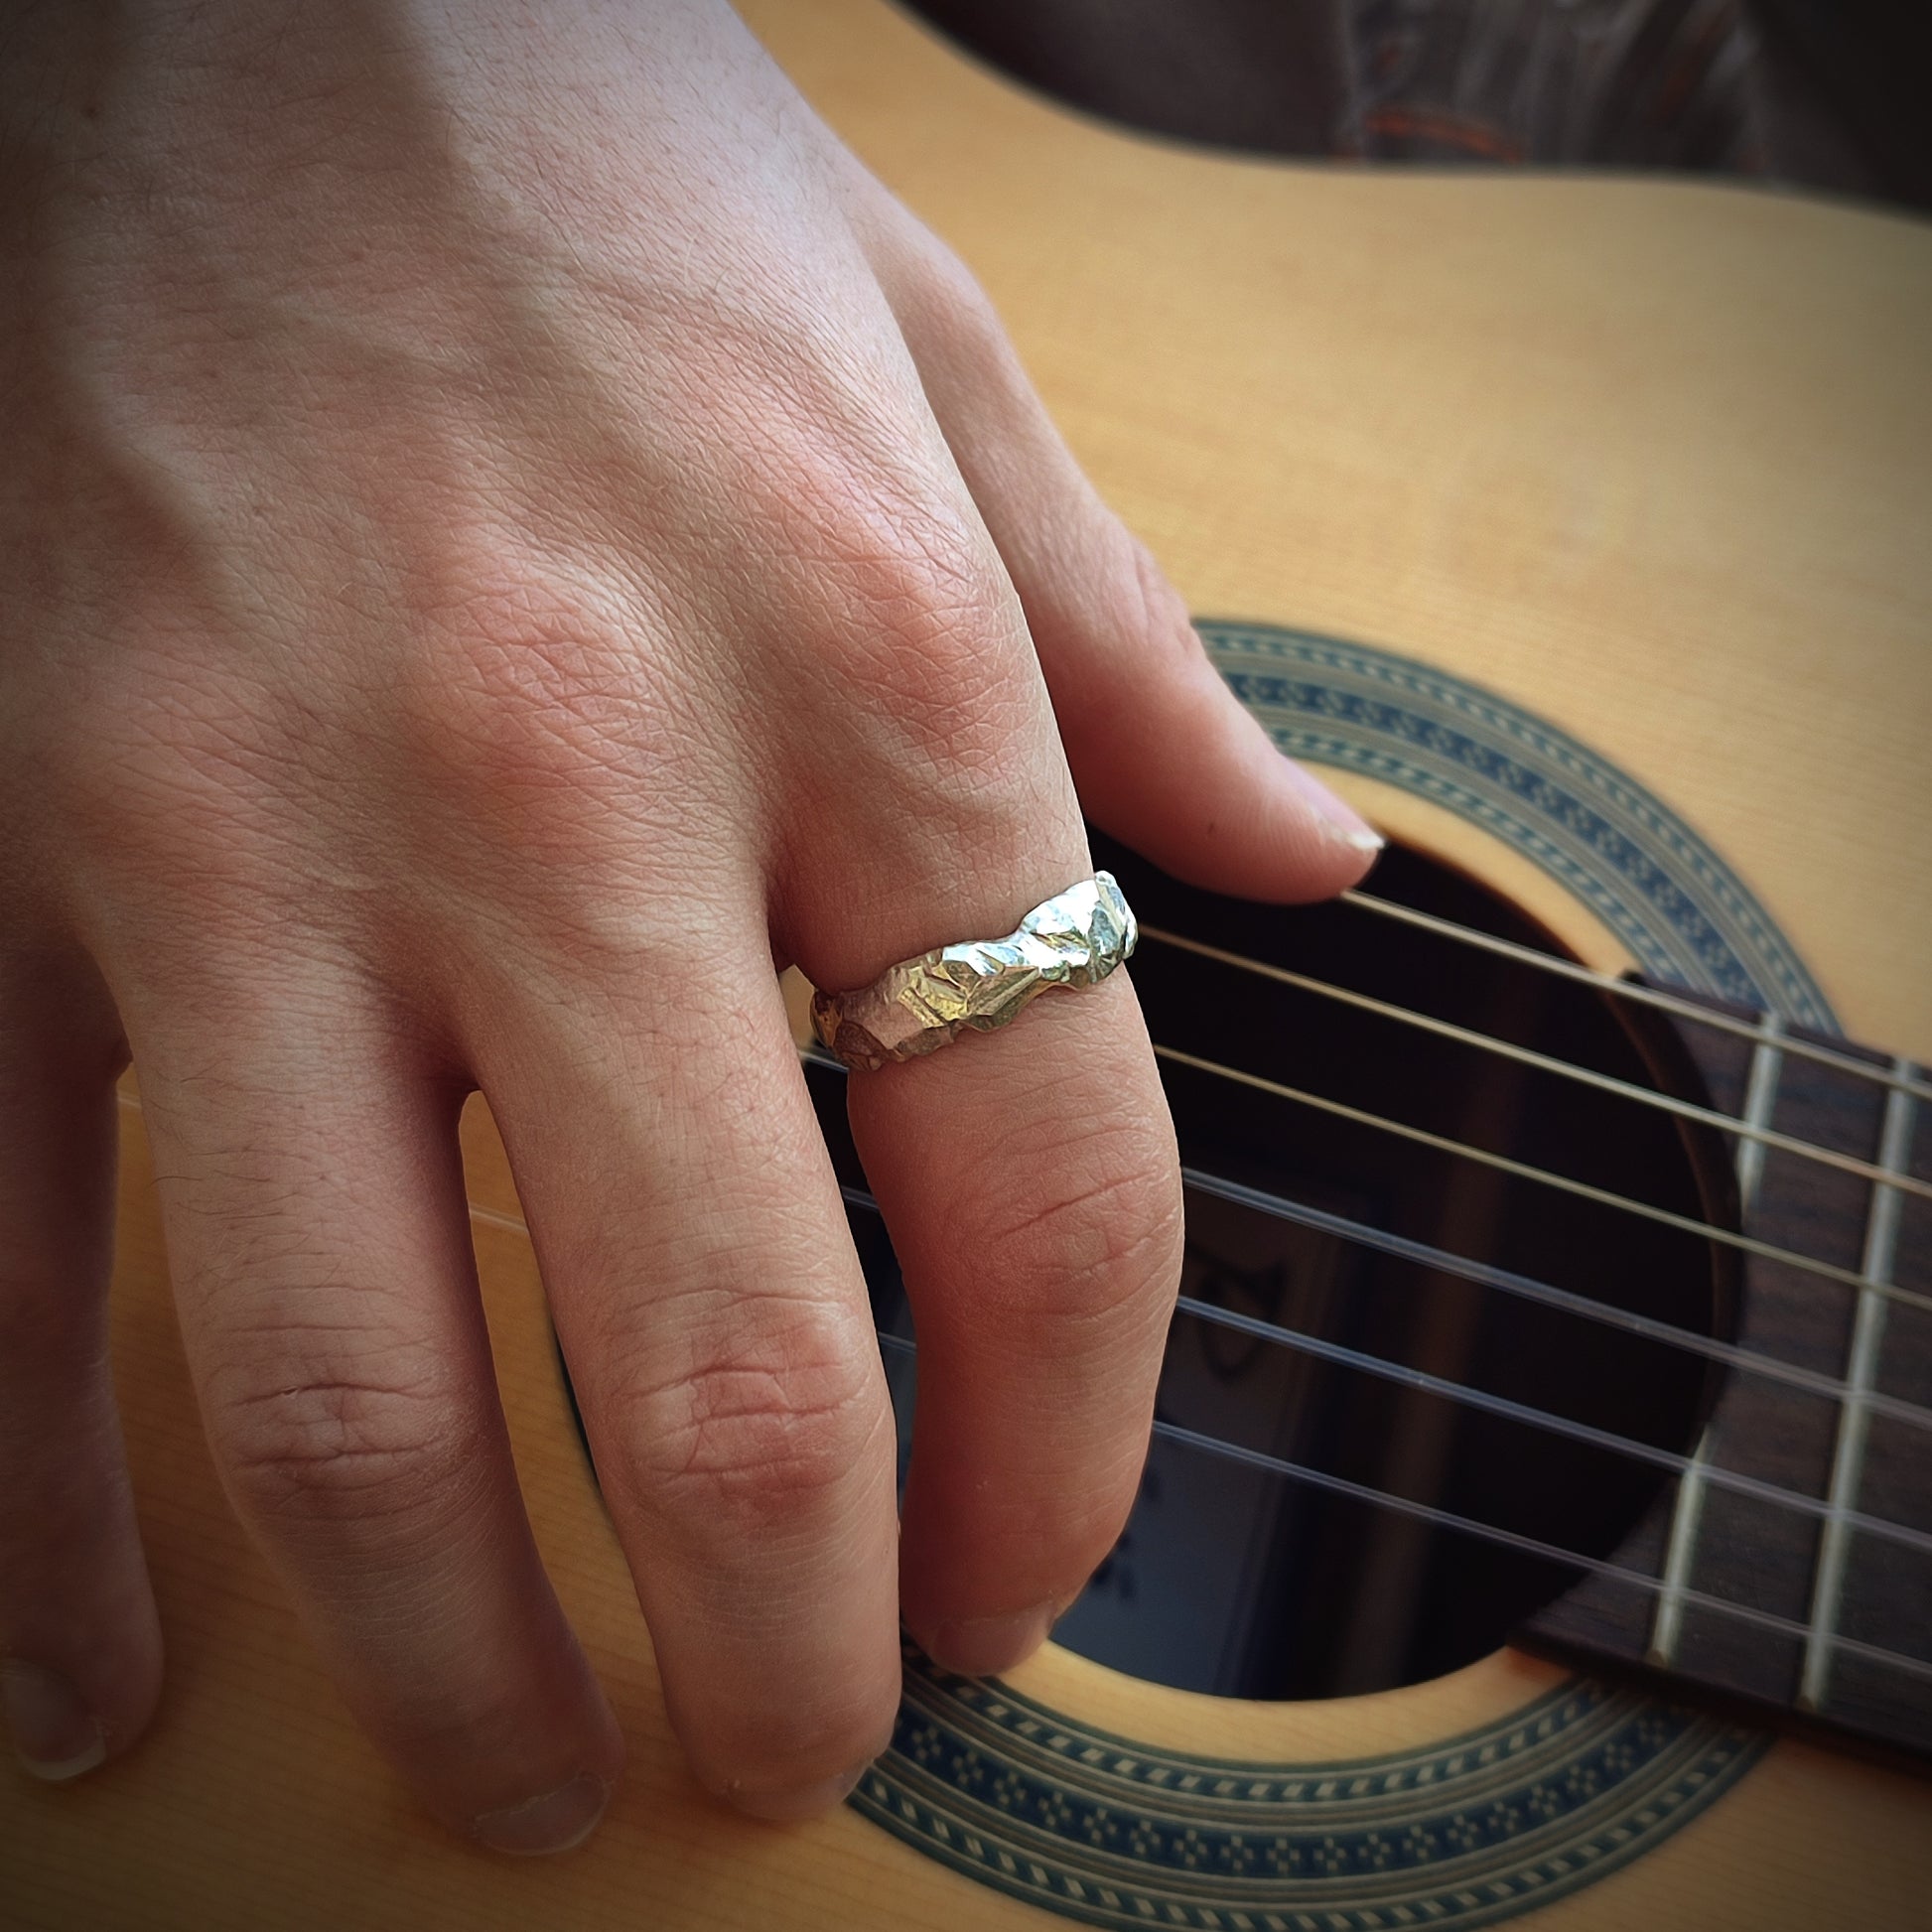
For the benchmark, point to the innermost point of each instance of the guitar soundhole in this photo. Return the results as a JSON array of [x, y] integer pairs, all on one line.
[[1241, 1580], [1244, 1580]]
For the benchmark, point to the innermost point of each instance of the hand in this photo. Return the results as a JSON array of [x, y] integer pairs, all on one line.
[[507, 530]]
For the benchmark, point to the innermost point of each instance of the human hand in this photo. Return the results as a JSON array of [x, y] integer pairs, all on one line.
[[508, 530]]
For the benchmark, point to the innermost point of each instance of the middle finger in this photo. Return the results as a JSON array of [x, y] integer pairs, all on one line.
[[716, 1323]]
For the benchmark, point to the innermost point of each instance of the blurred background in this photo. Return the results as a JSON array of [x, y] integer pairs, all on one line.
[[1819, 94]]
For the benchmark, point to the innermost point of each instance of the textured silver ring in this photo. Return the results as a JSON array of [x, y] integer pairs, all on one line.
[[1075, 938]]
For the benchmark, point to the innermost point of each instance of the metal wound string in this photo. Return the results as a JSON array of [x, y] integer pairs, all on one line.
[[1544, 1419], [1492, 1533], [1523, 1171], [1401, 1246], [1487, 1275], [1548, 1063], [1627, 1446], [1653, 996], [1496, 1534]]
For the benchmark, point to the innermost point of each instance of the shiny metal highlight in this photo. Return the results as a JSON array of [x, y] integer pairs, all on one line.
[[1075, 938]]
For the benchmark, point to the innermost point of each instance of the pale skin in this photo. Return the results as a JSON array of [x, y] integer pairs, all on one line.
[[507, 532]]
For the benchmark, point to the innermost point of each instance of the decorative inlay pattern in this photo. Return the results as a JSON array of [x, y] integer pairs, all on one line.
[[1473, 1829], [1485, 1826], [1623, 853]]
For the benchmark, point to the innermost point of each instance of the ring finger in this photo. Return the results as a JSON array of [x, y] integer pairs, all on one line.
[[314, 1210]]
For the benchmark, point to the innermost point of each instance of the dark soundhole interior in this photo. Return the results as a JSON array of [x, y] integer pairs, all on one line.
[[1247, 1583]]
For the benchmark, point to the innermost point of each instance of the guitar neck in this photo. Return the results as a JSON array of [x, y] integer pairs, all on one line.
[[1790, 1564]]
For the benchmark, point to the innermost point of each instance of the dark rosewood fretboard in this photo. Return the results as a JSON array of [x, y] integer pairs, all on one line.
[[1845, 1631]]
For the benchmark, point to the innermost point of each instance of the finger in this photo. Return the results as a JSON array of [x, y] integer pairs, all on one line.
[[1031, 1186], [316, 1226], [1164, 754], [719, 1339], [1028, 1178], [80, 1640]]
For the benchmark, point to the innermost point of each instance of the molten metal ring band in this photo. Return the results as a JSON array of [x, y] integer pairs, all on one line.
[[1075, 938]]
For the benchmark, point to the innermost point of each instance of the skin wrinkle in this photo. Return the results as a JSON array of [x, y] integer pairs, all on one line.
[[713, 1587], [1095, 1236], [345, 1452], [498, 565], [731, 1437]]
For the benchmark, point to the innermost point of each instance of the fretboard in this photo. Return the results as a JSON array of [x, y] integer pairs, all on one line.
[[1790, 1564]]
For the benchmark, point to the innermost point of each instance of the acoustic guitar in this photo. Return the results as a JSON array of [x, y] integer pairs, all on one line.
[[1539, 1522]]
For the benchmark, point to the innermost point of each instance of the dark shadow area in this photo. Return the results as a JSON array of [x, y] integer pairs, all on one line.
[[1811, 93], [1248, 1582]]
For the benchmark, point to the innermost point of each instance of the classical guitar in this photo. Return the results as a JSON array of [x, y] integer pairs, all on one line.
[[1539, 1521]]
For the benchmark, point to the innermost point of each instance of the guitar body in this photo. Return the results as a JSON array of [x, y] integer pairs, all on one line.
[[1624, 482]]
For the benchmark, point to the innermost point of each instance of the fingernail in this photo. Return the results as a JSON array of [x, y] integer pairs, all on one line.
[[1359, 837], [559, 1821], [57, 1735], [807, 1801], [983, 1646], [1340, 821]]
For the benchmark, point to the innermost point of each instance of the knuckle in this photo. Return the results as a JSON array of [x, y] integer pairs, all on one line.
[[921, 596], [1127, 600], [913, 622], [949, 721], [762, 1421], [546, 742], [1146, 604], [333, 1442]]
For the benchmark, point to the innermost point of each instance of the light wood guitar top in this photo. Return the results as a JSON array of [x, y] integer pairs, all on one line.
[[1651, 459]]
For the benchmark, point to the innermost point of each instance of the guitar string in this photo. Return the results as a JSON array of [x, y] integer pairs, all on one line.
[[1495, 1533], [1426, 1512], [1431, 1513], [1878, 1074], [1715, 1349], [1487, 1275], [1523, 1171], [1627, 1446], [1467, 1395], [1548, 1063]]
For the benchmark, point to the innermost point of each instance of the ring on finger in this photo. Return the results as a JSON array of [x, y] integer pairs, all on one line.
[[1074, 939]]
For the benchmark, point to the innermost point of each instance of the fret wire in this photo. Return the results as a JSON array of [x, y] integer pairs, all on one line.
[[1546, 1062], [1470, 1397], [1505, 1281], [1529, 1545], [1687, 1515], [1854, 1416], [1704, 1230], [1484, 1274], [1490, 1532], [1885, 1076], [1426, 1511]]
